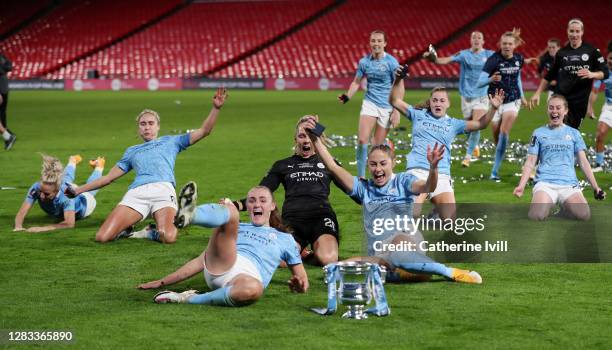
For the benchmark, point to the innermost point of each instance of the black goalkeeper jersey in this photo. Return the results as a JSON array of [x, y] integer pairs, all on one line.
[[568, 61], [306, 182]]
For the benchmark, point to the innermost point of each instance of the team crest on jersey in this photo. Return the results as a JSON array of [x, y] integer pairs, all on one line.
[[600, 59], [393, 191], [517, 63], [568, 137], [585, 57], [272, 236], [320, 165]]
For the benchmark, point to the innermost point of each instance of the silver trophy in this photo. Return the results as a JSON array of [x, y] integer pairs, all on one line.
[[355, 290]]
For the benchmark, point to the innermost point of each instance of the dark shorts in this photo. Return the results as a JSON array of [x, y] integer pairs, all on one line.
[[306, 230], [577, 111]]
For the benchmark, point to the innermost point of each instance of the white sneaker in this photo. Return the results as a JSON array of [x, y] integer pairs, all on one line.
[[186, 204], [597, 168], [168, 296]]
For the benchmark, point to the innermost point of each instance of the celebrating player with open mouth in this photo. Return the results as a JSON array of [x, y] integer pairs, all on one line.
[[431, 124], [49, 192], [554, 148], [384, 188], [152, 192], [474, 100], [240, 259], [377, 68]]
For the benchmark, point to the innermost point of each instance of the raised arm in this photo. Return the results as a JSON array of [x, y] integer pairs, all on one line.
[[345, 179], [211, 120], [396, 97], [437, 60], [433, 156], [299, 280], [495, 102], [588, 173], [105, 180], [527, 169], [353, 88], [191, 268], [21, 214]]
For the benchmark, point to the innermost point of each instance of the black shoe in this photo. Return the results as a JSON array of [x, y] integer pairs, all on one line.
[[8, 144]]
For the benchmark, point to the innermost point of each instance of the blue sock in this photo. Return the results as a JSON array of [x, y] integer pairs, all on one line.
[[219, 297], [211, 215], [153, 235], [599, 158], [96, 174], [362, 158], [500, 152], [416, 262], [473, 141], [69, 173]]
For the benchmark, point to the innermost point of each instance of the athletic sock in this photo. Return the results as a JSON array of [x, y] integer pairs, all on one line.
[[416, 262], [6, 135], [500, 152], [147, 233], [599, 158], [473, 141], [210, 215], [96, 174], [362, 158], [218, 297]]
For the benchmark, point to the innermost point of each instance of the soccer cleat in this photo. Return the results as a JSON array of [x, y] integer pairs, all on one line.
[[597, 168], [127, 233], [8, 144], [187, 204], [494, 177], [476, 152], [465, 163], [466, 276], [75, 159], [144, 233], [168, 296], [97, 163]]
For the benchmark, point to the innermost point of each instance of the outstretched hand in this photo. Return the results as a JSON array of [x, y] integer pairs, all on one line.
[[150, 285], [498, 99], [298, 284], [220, 97], [435, 155]]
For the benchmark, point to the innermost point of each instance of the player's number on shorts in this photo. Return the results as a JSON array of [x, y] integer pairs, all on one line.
[[329, 223]]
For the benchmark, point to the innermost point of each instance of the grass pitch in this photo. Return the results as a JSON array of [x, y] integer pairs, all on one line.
[[63, 280]]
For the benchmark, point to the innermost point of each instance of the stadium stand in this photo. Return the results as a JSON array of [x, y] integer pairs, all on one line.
[[74, 29], [196, 39], [538, 21], [19, 12]]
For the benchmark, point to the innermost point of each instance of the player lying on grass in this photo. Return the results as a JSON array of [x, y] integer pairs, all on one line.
[[431, 124], [386, 190], [152, 192], [554, 148], [49, 192], [306, 208], [241, 258]]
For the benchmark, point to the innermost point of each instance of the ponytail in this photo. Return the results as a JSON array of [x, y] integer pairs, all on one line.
[[516, 34]]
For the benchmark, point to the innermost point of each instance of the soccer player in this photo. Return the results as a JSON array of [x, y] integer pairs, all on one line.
[[605, 119], [386, 188], [546, 61], [474, 100], [152, 192], [241, 258], [5, 66], [503, 71], [377, 68], [431, 124], [306, 208], [576, 66], [555, 148], [49, 193]]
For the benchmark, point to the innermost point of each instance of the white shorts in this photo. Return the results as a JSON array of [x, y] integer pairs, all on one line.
[[514, 106], [470, 104], [241, 266], [149, 198], [445, 183], [606, 114], [382, 115], [558, 193], [91, 204]]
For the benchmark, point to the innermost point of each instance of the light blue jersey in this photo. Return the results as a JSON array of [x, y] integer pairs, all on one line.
[[608, 84], [471, 67], [379, 74], [265, 247], [153, 161], [427, 130], [556, 150], [59, 204], [397, 190]]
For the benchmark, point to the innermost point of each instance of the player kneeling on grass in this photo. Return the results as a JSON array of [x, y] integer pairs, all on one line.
[[241, 258], [152, 192], [554, 148], [386, 188], [49, 192]]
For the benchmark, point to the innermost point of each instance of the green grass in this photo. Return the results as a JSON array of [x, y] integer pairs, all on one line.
[[63, 280]]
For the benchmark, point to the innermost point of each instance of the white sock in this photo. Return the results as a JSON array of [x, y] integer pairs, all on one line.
[[6, 135]]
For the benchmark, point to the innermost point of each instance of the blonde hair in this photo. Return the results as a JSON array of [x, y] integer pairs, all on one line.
[[516, 34], [148, 111], [576, 21], [302, 120], [52, 171]]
